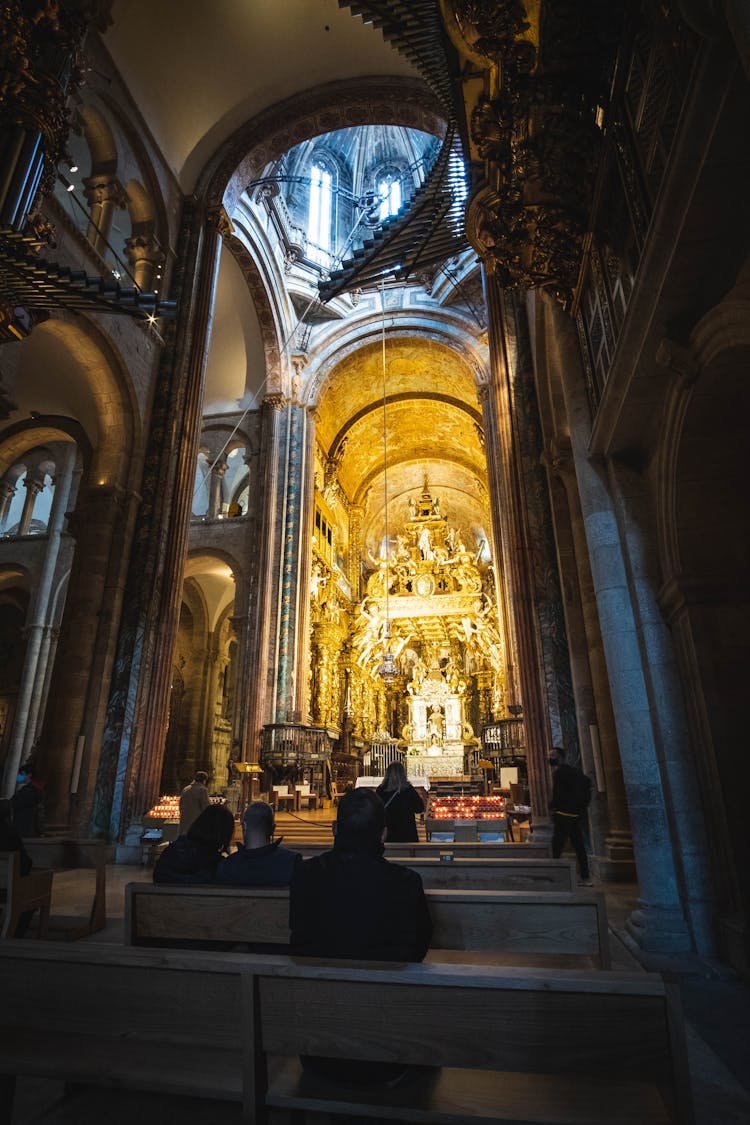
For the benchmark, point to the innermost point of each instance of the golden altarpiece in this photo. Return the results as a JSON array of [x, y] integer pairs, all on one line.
[[431, 601]]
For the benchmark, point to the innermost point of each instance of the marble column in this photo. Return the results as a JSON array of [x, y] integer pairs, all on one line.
[[218, 470], [133, 739], [523, 528], [261, 631], [293, 580]]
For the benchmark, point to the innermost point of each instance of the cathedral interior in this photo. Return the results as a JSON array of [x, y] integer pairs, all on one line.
[[373, 385]]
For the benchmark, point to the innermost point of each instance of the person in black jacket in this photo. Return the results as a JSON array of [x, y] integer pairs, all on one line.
[[28, 803], [260, 863], [401, 802], [351, 903], [571, 792], [193, 858]]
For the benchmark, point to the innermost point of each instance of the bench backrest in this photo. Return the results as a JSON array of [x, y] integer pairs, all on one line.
[[493, 874], [428, 850], [10, 871], [204, 1021], [553, 924], [616, 1026]]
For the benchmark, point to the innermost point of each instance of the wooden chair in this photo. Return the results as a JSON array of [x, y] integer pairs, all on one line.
[[23, 893]]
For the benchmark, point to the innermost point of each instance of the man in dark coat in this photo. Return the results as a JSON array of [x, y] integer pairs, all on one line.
[[28, 804], [260, 863], [351, 903], [571, 792]]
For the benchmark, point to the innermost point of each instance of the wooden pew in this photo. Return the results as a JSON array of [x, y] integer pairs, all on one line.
[[471, 874], [434, 851], [66, 854], [499, 925], [162, 1022], [21, 893], [515, 1046]]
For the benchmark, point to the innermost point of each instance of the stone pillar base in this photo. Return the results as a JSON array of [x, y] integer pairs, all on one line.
[[659, 929], [131, 849], [617, 865]]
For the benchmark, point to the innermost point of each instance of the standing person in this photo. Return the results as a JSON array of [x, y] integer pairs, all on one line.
[[401, 802], [571, 793], [260, 863], [351, 903], [28, 803], [193, 858], [193, 800]]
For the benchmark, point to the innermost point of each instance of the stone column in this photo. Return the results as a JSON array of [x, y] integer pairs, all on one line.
[[261, 634], [133, 740], [103, 195], [669, 722], [33, 674], [33, 487], [522, 526], [98, 525], [611, 836], [218, 470], [292, 580], [146, 259], [659, 922], [7, 492], [306, 517]]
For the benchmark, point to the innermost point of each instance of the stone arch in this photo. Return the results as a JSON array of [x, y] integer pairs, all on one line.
[[99, 395], [323, 109], [704, 538]]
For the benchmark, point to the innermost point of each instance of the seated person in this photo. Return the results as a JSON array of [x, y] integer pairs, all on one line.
[[193, 858], [351, 903], [260, 863]]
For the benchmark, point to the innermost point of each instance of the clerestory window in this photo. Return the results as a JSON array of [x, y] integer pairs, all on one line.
[[389, 190], [320, 213]]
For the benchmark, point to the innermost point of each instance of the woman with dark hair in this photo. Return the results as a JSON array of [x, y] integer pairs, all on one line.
[[401, 802], [192, 858]]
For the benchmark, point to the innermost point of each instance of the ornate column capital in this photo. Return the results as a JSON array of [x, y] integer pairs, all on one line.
[[218, 219], [103, 189], [275, 401], [557, 457]]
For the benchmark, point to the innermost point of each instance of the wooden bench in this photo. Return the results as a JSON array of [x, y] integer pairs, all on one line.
[[515, 1045], [499, 925], [434, 851], [471, 874], [60, 853], [22, 893], [138, 1019]]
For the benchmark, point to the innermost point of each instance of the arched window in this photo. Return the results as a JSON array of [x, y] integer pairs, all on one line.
[[389, 192], [320, 215]]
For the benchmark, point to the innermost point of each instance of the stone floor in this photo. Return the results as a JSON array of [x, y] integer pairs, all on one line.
[[716, 1007]]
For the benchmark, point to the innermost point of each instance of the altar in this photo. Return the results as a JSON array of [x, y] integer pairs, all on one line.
[[437, 728]]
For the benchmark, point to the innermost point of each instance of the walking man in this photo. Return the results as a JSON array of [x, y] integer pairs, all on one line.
[[571, 793]]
